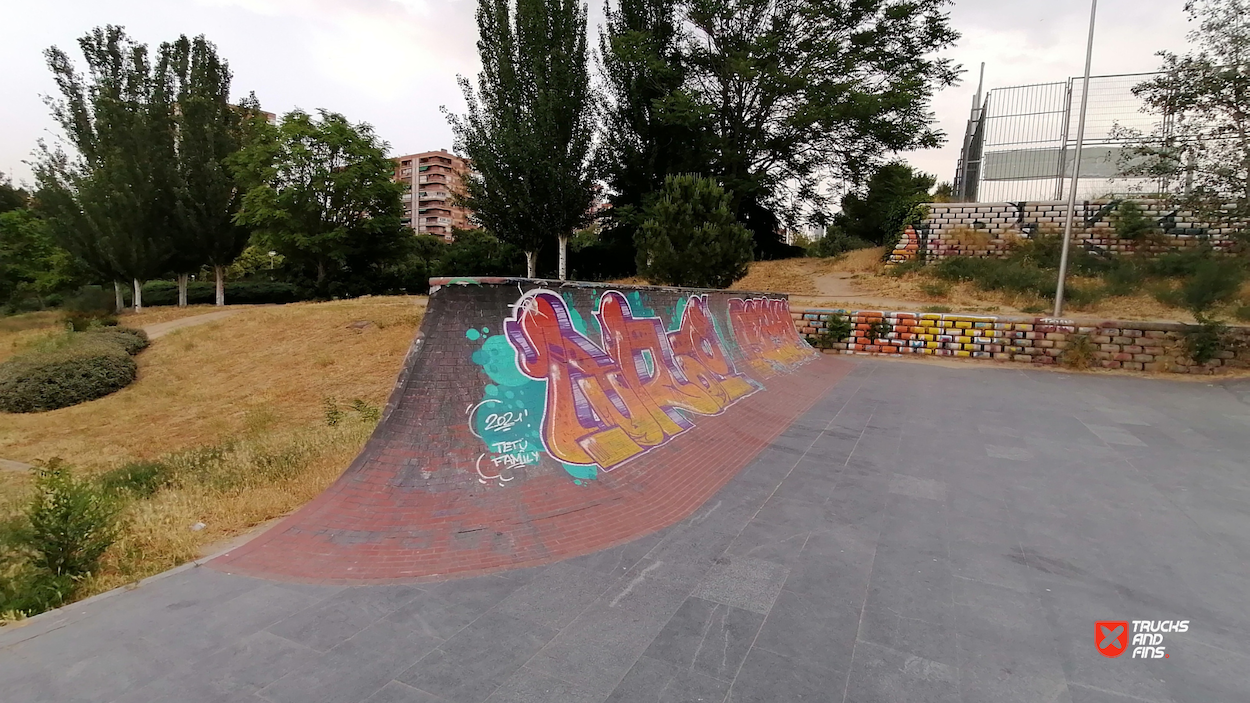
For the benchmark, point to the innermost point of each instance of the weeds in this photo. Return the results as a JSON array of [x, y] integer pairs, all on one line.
[[878, 330], [935, 289], [1205, 340], [1080, 353], [936, 308], [367, 412], [330, 408]]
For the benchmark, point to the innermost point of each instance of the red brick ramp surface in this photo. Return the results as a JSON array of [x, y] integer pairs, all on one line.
[[535, 421]]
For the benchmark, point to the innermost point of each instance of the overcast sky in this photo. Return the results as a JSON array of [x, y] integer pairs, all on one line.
[[392, 63]]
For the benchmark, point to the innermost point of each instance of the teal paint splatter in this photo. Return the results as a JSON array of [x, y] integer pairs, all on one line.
[[636, 305], [674, 322], [512, 407], [473, 334]]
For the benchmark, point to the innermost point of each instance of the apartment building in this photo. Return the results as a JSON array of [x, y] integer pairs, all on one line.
[[433, 179]]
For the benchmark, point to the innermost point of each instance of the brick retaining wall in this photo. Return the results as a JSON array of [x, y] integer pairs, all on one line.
[[989, 229], [1138, 346]]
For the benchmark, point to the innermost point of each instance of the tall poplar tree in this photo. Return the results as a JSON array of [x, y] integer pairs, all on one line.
[[209, 131], [116, 190], [529, 125]]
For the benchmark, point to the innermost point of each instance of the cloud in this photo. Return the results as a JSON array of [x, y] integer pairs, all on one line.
[[384, 48]]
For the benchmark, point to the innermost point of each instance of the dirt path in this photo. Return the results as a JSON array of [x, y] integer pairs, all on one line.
[[160, 329], [8, 465], [838, 288]]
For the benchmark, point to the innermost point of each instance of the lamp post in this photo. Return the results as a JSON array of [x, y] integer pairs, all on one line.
[[1076, 166]]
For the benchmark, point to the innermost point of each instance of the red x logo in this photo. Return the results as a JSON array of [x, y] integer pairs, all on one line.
[[1111, 636]]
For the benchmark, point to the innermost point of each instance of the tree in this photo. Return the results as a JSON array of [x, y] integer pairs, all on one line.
[[689, 236], [652, 126], [1203, 159], [31, 264], [116, 195], [324, 198], [794, 95], [209, 131], [891, 201], [529, 125], [11, 198]]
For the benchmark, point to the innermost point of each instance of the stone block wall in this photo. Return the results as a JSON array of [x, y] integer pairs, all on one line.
[[1137, 346], [989, 229]]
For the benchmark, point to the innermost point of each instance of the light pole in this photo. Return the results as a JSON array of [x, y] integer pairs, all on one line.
[[1076, 166]]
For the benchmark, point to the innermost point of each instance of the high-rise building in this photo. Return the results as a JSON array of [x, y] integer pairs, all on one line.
[[434, 178]]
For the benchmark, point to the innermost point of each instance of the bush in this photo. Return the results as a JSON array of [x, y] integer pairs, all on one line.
[[56, 543], [836, 329], [128, 338], [80, 321], [1214, 281], [690, 236], [91, 365], [1132, 224], [836, 242], [158, 293], [1079, 353]]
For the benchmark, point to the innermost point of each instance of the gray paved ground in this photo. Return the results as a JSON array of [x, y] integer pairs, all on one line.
[[923, 534]]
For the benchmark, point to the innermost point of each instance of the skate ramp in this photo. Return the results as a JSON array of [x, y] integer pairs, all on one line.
[[537, 420]]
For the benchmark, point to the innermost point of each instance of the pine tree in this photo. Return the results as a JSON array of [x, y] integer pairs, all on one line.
[[689, 236], [529, 124]]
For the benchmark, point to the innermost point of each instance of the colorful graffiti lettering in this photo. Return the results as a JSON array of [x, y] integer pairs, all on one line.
[[608, 404], [766, 334]]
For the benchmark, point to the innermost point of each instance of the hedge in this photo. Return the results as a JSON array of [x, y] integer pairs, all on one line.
[[205, 293], [92, 365], [130, 339]]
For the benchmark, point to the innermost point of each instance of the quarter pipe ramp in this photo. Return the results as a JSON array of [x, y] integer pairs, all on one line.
[[538, 420]]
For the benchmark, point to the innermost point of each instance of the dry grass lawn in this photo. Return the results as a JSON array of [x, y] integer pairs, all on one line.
[[862, 274], [786, 276], [265, 368], [234, 410]]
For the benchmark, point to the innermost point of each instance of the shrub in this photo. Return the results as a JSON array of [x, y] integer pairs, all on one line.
[[878, 330], [55, 543], [835, 242], [1214, 281], [836, 329], [130, 339], [1080, 352], [331, 410], [88, 368], [157, 293], [935, 289], [1205, 340], [70, 523], [1132, 224], [690, 236], [83, 320]]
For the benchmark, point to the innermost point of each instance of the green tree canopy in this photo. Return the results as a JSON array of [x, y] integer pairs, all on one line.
[[1203, 158], [31, 263], [779, 98], [114, 192], [890, 202], [209, 130], [529, 124], [324, 198], [689, 236], [11, 197]]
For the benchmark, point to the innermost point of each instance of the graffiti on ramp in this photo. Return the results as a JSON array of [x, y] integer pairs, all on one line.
[[591, 400]]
